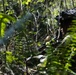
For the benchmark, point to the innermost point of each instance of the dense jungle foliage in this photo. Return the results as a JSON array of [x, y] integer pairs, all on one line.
[[37, 37]]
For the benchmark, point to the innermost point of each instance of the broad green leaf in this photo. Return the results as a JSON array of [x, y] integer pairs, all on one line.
[[6, 20], [26, 2], [9, 52], [67, 65], [10, 57], [1, 16], [8, 17], [3, 26], [40, 0]]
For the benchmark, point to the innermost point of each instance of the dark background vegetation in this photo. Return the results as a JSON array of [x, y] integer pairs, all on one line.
[[24, 48]]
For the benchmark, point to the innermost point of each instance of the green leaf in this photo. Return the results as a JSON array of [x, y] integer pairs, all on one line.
[[67, 65], [26, 2], [3, 26], [8, 17]]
